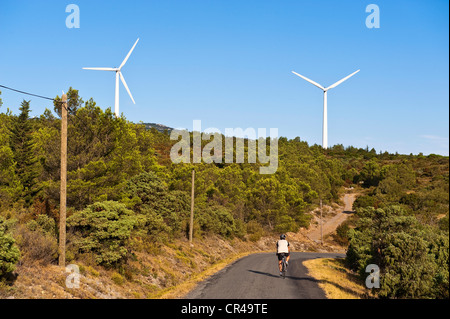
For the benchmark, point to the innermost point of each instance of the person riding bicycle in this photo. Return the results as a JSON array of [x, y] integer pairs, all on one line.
[[283, 249]]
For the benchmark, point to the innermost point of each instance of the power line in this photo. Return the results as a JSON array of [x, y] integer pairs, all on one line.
[[27, 93], [36, 95], [54, 100]]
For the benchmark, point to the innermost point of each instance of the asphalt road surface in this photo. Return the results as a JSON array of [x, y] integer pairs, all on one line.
[[257, 277]]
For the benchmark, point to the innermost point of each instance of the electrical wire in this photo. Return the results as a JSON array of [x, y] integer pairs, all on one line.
[[50, 99], [27, 93]]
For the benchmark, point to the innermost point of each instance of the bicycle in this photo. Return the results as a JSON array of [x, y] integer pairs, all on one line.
[[283, 267]]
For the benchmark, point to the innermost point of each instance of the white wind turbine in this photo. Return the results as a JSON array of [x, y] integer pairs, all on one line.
[[325, 117], [118, 75]]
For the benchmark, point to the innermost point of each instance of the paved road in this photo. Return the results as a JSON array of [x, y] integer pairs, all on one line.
[[257, 277]]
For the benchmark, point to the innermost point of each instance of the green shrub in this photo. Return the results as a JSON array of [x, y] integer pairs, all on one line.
[[239, 228], [303, 220], [342, 233], [9, 253], [413, 258], [104, 229], [117, 279], [163, 211], [43, 223], [286, 224], [254, 230], [217, 220], [444, 223], [364, 201]]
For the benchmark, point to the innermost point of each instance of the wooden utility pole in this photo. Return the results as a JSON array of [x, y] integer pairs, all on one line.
[[63, 189], [321, 223], [191, 223]]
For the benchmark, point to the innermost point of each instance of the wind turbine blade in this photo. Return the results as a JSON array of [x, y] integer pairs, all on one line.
[[128, 55], [101, 69], [340, 81], [126, 86], [310, 81]]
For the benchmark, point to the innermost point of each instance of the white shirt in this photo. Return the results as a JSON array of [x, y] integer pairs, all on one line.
[[282, 246]]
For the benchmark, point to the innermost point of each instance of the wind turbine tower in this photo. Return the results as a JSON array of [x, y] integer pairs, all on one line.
[[325, 116]]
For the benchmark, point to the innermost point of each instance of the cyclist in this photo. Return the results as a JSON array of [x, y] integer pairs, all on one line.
[[283, 249]]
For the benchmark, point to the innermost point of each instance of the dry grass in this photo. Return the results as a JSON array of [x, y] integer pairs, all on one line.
[[337, 281], [177, 292], [171, 273]]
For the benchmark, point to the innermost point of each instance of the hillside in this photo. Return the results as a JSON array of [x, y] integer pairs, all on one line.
[[169, 273], [129, 204], [159, 127]]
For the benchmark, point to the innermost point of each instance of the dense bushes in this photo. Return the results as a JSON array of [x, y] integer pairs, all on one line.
[[418, 184], [216, 220], [341, 235], [104, 229], [9, 253], [163, 211], [413, 258], [37, 240]]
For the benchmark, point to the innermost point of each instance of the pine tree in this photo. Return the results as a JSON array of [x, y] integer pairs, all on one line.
[[74, 102], [22, 147], [9, 184]]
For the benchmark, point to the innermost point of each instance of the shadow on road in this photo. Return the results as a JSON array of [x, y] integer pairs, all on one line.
[[277, 276]]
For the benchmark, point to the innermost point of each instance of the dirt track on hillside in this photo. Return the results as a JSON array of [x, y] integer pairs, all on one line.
[[331, 222]]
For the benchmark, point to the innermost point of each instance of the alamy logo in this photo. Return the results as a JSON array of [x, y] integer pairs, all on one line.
[[73, 19], [373, 19], [212, 152], [373, 280], [73, 279]]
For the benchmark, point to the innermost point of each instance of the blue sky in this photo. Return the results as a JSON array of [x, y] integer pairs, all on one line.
[[228, 64]]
